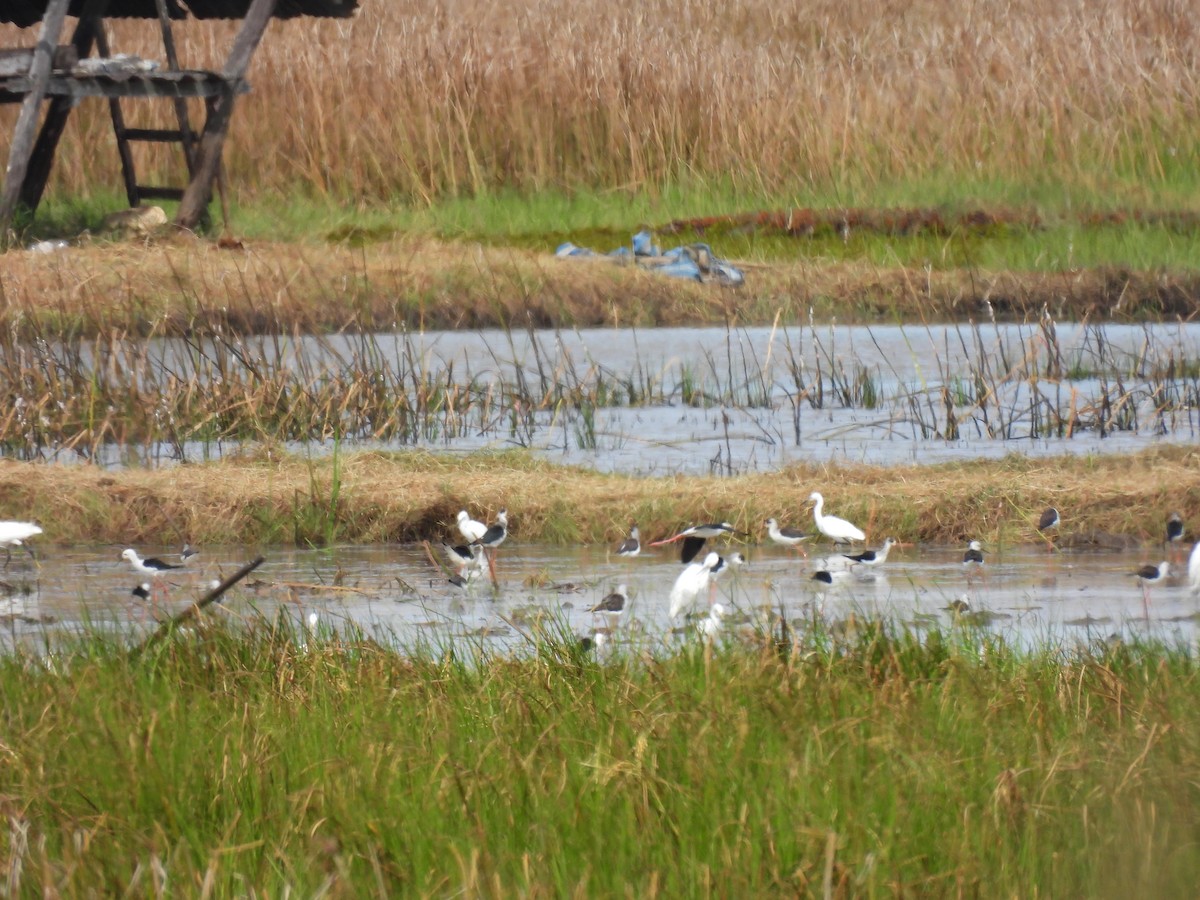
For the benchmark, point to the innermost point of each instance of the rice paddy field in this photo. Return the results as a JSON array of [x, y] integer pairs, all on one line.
[[969, 238]]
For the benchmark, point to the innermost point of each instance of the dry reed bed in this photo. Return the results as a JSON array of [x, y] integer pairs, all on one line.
[[421, 283], [372, 497], [420, 100]]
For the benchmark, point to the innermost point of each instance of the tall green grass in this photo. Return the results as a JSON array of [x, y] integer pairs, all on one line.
[[278, 761]]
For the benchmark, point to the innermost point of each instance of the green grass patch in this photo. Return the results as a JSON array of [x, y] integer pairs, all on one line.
[[886, 763]]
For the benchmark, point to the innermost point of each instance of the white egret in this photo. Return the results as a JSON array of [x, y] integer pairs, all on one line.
[[838, 530], [691, 582]]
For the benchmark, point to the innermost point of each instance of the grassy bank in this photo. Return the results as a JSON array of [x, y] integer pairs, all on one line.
[[222, 764], [182, 285], [373, 497]]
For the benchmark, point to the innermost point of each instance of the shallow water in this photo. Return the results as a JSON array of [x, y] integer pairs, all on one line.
[[753, 399], [1032, 596]]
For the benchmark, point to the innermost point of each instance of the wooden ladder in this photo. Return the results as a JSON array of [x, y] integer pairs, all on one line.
[[183, 135]]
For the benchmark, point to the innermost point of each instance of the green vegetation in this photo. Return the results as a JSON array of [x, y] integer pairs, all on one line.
[[881, 763]]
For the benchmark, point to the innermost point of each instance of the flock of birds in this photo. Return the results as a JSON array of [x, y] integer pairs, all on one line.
[[476, 558]]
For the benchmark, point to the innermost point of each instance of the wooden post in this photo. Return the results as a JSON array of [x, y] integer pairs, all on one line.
[[216, 127], [42, 159], [26, 127]]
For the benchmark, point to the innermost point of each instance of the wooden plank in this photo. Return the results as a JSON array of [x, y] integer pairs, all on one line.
[[60, 108], [19, 60], [155, 135], [216, 126], [25, 130]]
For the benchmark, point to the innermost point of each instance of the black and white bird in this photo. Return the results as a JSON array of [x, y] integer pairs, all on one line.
[[153, 566], [1175, 528], [142, 591], [1049, 521], [15, 534], [188, 553], [974, 554], [496, 533], [470, 529], [728, 564], [838, 530], [1149, 575], [694, 537], [632, 545], [872, 557], [786, 537]]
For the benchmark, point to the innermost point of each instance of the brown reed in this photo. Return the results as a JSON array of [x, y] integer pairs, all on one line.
[[418, 101]]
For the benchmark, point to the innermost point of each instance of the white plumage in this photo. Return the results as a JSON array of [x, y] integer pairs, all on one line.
[[691, 581], [470, 529], [14, 534], [1194, 569], [838, 530], [710, 626]]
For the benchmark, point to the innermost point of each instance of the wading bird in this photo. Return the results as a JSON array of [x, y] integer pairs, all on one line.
[[691, 582], [469, 528], [1149, 575], [632, 545], [1194, 569], [838, 530], [1048, 522], [872, 557], [694, 537], [787, 537], [15, 534], [973, 559]]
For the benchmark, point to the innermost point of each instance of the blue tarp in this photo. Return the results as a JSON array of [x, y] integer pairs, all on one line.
[[692, 261]]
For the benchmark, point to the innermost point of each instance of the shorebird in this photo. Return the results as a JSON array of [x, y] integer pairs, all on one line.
[[632, 545], [1049, 521], [1175, 528], [495, 535], [838, 530], [872, 557], [973, 559], [694, 537], [15, 534], [614, 604], [691, 581], [787, 537], [1149, 575], [1194, 569], [154, 567]]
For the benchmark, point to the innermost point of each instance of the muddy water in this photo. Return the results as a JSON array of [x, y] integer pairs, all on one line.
[[394, 592]]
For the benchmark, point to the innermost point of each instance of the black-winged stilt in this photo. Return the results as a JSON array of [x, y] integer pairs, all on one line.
[[974, 555], [142, 591], [872, 557], [1049, 521], [1149, 575], [188, 553], [15, 534], [694, 537], [691, 582], [632, 545], [1175, 528], [470, 529], [153, 566], [787, 537], [496, 534], [838, 530]]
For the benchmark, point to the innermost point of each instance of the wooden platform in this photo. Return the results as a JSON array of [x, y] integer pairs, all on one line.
[[182, 84]]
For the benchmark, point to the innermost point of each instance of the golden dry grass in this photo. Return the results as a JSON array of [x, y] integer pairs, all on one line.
[[422, 100], [420, 282], [371, 497]]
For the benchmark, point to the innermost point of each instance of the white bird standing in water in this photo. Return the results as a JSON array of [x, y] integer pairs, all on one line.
[[710, 626], [691, 582], [469, 528], [1194, 569], [838, 530], [15, 534]]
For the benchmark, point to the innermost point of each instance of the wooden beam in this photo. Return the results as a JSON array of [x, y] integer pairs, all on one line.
[[27, 120], [60, 108], [216, 127]]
